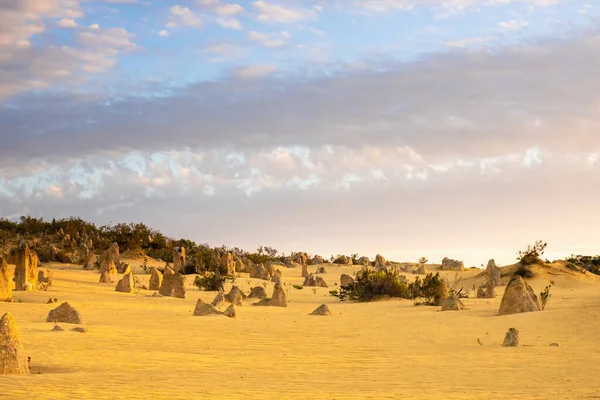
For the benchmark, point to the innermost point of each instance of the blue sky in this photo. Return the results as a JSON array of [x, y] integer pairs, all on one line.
[[401, 127]]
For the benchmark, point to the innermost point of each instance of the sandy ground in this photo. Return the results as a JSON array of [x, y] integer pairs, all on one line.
[[141, 347]]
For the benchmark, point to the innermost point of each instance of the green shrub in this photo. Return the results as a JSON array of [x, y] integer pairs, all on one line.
[[371, 285], [545, 295], [532, 254], [433, 289], [299, 287], [334, 293], [210, 281]]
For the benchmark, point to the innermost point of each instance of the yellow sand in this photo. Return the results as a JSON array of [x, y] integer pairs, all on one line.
[[141, 347]]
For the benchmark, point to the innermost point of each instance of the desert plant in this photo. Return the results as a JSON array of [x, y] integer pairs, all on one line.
[[210, 281], [524, 271], [432, 288], [334, 293], [299, 287], [371, 285], [423, 260], [532, 254], [545, 294]]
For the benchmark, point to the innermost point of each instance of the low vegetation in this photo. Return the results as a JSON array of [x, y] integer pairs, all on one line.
[[372, 285]]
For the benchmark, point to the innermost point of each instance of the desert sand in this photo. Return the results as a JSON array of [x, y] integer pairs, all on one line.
[[143, 347]]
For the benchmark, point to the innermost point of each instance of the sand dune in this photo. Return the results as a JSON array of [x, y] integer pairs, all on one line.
[[142, 347]]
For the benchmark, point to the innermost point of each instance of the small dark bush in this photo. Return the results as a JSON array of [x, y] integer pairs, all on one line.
[[524, 271], [433, 289], [299, 287], [210, 281]]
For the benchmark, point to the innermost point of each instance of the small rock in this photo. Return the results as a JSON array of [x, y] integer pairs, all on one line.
[[322, 310], [230, 312], [57, 328], [79, 329], [512, 338], [553, 344]]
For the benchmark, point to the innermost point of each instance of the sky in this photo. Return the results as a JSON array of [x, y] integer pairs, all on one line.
[[459, 128]]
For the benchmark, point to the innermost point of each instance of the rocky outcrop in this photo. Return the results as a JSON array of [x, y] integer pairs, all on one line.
[[179, 259], [278, 299], [258, 292], [6, 283], [452, 265], [259, 271], [305, 271], [105, 277], [320, 270], [422, 270], [13, 360], [493, 273], [316, 260], [25, 269], [314, 281], [453, 303], [364, 261], [486, 292], [156, 279], [219, 298], [125, 284], [203, 309], [235, 296], [512, 338], [380, 263], [173, 284], [300, 258], [230, 312], [322, 310], [519, 297], [108, 266], [65, 313], [277, 276], [346, 280], [112, 255]]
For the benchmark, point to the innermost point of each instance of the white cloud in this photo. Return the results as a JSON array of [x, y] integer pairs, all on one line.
[[163, 33], [224, 9], [67, 23], [182, 16], [270, 40], [268, 12], [513, 25], [468, 43], [229, 23], [253, 71]]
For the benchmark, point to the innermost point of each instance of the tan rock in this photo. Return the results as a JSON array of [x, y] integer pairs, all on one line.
[[230, 312], [346, 280], [312, 281], [380, 263], [305, 271], [278, 299], [203, 309], [65, 313], [156, 279], [219, 299], [6, 283], [316, 260], [235, 296], [422, 270], [25, 269], [173, 284], [13, 360], [453, 303], [259, 271], [300, 258], [125, 285], [179, 259], [258, 292], [105, 277], [493, 273], [320, 270], [512, 338], [322, 310], [452, 265], [519, 297], [364, 261]]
